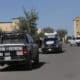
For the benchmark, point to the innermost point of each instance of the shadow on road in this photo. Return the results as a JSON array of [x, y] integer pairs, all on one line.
[[61, 52], [22, 68], [55, 52]]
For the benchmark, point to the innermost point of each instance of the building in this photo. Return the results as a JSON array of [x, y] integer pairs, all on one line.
[[13, 26], [9, 26], [77, 26]]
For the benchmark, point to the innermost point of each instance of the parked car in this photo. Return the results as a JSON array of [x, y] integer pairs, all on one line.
[[51, 44], [18, 48], [72, 41], [78, 41]]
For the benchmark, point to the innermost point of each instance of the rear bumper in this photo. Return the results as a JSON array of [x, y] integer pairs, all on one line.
[[50, 49], [15, 61]]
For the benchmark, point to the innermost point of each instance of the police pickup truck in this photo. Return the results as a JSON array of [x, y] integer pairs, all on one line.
[[18, 48], [51, 43]]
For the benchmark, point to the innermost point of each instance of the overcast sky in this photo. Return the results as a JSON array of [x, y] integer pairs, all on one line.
[[54, 13]]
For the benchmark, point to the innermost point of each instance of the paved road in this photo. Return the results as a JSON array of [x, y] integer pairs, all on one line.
[[63, 66]]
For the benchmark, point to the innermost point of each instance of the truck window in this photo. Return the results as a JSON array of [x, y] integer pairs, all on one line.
[[14, 39]]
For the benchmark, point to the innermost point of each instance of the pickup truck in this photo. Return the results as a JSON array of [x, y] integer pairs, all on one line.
[[51, 44], [18, 48]]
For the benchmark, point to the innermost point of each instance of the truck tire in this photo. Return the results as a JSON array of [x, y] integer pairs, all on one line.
[[36, 60], [28, 65]]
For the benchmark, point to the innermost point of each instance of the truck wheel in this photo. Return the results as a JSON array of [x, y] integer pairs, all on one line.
[[36, 61], [28, 65]]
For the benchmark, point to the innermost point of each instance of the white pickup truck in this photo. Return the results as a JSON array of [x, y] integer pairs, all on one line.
[[51, 43]]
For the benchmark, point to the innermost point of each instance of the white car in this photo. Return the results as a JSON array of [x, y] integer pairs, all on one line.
[[72, 41], [77, 41]]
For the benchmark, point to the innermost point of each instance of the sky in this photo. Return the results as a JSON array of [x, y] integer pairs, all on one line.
[[58, 14]]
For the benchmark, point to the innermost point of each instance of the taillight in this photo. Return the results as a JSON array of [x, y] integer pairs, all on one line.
[[25, 50]]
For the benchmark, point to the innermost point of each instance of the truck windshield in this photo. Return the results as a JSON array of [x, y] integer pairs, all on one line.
[[14, 39]]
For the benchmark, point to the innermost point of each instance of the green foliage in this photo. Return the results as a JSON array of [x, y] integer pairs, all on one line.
[[29, 22], [62, 32], [22, 24], [41, 35], [45, 30], [48, 30]]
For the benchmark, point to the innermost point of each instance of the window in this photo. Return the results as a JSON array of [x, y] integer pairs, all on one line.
[[14, 39], [30, 39]]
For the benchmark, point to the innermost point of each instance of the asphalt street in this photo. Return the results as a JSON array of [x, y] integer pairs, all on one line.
[[57, 66]]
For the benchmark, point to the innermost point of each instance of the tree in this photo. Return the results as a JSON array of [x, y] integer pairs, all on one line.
[[41, 34], [48, 30], [45, 30], [22, 24], [29, 22], [62, 33]]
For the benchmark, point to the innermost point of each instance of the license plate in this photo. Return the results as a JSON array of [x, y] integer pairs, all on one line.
[[8, 58], [1, 54]]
